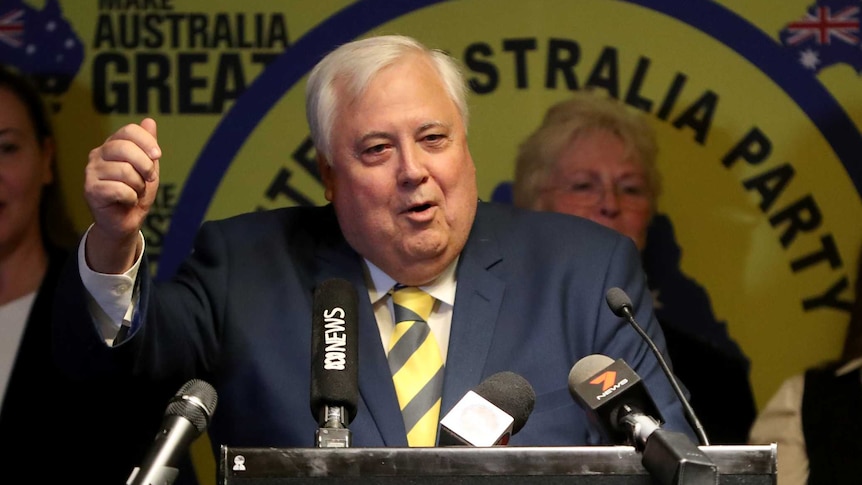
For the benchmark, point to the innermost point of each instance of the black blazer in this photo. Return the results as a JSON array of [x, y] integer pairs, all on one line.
[[59, 429], [831, 424]]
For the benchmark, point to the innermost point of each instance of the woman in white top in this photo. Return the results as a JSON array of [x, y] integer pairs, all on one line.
[[814, 416], [28, 194], [45, 415]]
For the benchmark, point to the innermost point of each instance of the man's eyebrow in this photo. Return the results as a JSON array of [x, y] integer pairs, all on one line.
[[433, 124], [374, 134], [386, 135]]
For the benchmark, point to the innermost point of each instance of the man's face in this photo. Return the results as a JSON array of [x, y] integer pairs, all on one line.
[[402, 178]]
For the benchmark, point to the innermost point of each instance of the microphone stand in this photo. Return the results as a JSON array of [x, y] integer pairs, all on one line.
[[669, 457], [689, 412], [334, 432]]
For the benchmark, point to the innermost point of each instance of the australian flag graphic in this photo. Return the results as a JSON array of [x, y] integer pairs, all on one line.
[[827, 34], [40, 44]]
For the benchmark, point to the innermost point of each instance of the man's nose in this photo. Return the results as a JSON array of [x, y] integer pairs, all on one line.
[[413, 169]]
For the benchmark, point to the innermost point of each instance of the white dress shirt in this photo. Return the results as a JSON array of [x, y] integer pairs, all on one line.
[[440, 321], [13, 321], [110, 295]]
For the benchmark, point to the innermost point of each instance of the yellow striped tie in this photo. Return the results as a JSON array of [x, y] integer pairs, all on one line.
[[416, 365]]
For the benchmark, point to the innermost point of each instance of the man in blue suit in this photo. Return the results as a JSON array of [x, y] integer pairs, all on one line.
[[516, 290]]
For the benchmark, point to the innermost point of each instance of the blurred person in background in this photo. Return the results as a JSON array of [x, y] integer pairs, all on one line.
[[52, 428], [594, 157], [814, 415]]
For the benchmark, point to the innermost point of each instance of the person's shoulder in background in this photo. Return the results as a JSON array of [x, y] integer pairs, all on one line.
[[780, 422]]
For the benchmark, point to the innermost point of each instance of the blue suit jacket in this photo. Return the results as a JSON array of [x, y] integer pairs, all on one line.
[[530, 299]]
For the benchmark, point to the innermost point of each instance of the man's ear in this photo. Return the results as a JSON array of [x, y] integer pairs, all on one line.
[[326, 176]]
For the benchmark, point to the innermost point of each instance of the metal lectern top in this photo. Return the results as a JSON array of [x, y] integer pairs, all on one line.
[[599, 465]]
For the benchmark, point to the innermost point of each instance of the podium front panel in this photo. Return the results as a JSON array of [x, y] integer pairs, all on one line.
[[588, 465]]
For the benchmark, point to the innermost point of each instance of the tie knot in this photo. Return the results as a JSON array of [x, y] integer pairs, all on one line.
[[411, 303]]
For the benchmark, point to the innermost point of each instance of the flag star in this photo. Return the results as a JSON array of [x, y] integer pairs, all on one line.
[[70, 43], [809, 59], [50, 26], [30, 49]]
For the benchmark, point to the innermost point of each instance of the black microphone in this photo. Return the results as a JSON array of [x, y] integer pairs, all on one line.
[[612, 391], [187, 416], [614, 395], [334, 355], [490, 413], [620, 303]]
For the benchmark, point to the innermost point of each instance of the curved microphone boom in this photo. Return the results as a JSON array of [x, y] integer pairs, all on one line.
[[334, 356], [614, 395], [620, 303], [188, 414], [490, 413]]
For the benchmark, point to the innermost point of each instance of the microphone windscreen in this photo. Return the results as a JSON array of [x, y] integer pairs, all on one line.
[[512, 394], [195, 401], [186, 417], [334, 347], [618, 300], [587, 367]]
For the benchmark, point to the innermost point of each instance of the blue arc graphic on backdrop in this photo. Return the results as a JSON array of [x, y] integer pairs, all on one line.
[[280, 76]]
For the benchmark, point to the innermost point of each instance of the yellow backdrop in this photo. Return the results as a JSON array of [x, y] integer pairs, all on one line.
[[717, 80]]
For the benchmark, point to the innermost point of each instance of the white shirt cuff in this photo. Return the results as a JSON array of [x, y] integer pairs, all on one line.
[[111, 294]]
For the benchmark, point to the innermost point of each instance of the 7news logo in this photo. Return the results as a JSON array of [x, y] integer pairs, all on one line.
[[608, 381]]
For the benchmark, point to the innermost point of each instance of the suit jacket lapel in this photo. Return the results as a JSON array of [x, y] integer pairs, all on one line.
[[477, 305]]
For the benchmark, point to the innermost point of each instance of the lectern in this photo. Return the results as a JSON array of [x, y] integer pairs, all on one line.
[[586, 465]]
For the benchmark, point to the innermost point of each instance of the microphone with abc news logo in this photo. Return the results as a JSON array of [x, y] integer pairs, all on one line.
[[334, 366]]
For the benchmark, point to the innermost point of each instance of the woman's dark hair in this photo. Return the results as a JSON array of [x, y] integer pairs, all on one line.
[[57, 227]]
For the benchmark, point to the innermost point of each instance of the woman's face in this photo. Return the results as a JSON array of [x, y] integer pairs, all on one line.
[[25, 168], [597, 178]]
